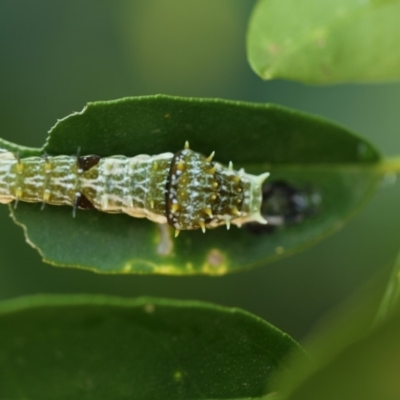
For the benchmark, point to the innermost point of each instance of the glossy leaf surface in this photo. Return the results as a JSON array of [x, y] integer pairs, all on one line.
[[94, 347], [342, 169], [325, 42]]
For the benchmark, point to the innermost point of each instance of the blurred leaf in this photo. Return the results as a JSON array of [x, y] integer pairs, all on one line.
[[367, 369], [341, 168], [341, 330], [390, 300], [95, 347], [325, 42]]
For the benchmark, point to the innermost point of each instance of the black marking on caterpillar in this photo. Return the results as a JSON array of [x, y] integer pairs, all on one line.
[[83, 203], [286, 205], [186, 190], [87, 162]]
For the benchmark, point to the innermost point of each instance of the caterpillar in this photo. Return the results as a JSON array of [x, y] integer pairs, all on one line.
[[186, 190]]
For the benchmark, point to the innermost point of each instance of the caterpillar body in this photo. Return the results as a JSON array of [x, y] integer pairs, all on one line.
[[186, 189]]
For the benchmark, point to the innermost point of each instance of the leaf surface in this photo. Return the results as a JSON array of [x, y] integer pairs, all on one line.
[[335, 166], [95, 347], [325, 42]]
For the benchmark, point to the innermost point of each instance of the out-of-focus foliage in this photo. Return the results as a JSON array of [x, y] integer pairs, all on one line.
[[326, 41], [355, 351]]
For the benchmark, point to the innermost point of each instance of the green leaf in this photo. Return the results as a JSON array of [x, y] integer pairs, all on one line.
[[337, 167], [343, 328], [367, 369], [390, 299], [22, 151], [325, 42], [95, 347]]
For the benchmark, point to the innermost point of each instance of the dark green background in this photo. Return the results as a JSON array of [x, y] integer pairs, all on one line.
[[56, 56]]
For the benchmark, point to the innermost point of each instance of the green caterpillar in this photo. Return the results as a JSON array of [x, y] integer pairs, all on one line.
[[186, 189]]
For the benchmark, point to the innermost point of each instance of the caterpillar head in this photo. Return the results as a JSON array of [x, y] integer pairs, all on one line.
[[202, 194]]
